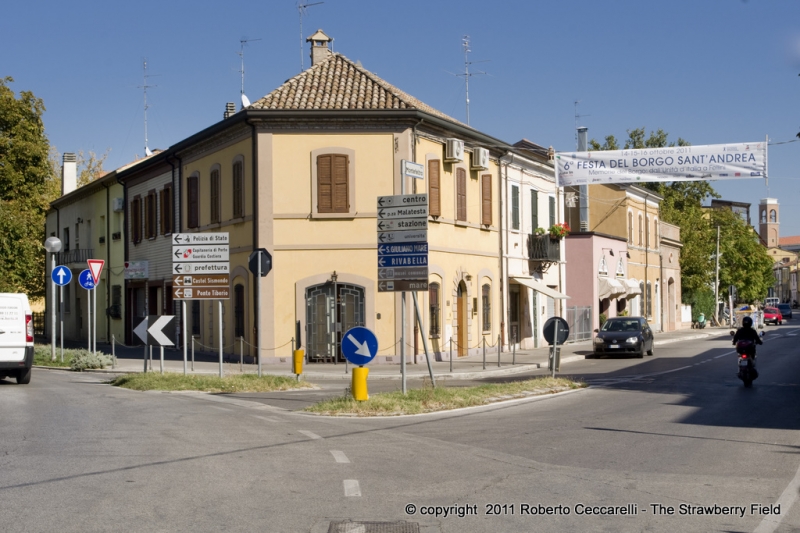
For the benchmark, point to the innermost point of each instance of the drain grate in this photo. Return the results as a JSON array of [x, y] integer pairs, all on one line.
[[346, 526]]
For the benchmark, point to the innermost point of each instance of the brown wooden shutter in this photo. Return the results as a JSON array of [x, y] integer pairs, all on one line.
[[324, 184], [340, 199], [136, 221], [435, 197], [461, 194], [486, 199], [215, 196], [238, 191], [193, 202]]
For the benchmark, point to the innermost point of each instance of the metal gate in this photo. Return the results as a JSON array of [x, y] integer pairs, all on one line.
[[328, 317], [580, 323]]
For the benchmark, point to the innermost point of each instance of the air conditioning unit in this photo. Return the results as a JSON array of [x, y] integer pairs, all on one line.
[[480, 158], [454, 150], [119, 205]]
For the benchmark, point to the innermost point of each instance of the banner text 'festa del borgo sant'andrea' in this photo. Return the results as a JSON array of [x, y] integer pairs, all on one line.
[[672, 163]]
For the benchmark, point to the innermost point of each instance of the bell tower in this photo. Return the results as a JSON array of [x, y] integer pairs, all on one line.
[[769, 221]]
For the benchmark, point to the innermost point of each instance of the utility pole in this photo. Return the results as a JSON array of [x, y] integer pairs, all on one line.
[[716, 282]]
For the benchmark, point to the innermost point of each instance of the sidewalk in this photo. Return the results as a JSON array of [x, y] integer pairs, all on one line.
[[465, 368]]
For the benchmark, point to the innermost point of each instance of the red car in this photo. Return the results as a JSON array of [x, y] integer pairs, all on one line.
[[773, 315]]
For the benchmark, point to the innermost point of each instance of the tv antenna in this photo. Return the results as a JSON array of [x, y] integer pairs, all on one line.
[[577, 116], [243, 41], [301, 10], [144, 87], [467, 74]]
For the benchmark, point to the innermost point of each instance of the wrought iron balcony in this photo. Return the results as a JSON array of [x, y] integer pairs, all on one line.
[[74, 256], [543, 248]]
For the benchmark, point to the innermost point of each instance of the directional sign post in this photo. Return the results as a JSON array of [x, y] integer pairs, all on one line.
[[86, 280], [96, 268], [260, 263], [359, 345], [161, 332], [402, 237], [61, 275], [199, 260], [141, 331]]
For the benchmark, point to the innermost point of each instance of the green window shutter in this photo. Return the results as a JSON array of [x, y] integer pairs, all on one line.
[[534, 210], [552, 211], [514, 207]]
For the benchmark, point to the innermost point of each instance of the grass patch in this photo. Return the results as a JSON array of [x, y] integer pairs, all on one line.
[[41, 356], [207, 383], [428, 399]]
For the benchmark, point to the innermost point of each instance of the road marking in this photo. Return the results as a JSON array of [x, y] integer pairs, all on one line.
[[339, 456], [268, 419], [351, 487], [309, 434], [770, 523]]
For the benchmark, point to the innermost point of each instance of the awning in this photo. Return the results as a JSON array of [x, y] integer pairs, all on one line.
[[540, 287], [609, 288], [632, 284]]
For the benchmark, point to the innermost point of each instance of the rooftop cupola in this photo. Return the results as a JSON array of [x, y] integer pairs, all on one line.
[[320, 50]]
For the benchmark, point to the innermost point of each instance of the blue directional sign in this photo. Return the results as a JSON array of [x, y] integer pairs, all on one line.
[[359, 345], [61, 275], [86, 279], [403, 260]]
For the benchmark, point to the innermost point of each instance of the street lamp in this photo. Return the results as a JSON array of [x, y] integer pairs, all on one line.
[[53, 246]]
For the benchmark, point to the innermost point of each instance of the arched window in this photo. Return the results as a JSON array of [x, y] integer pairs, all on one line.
[[434, 296], [238, 310], [764, 216], [647, 233], [773, 215], [487, 307], [238, 189], [641, 230], [630, 227]]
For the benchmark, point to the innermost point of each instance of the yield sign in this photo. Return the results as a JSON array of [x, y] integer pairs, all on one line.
[[95, 267]]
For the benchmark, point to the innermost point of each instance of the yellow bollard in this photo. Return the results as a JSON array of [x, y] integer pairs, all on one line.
[[359, 385], [297, 362]]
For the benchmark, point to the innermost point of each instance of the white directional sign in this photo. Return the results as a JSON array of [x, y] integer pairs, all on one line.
[[201, 252], [403, 224], [200, 238], [402, 236], [201, 268], [413, 170], [385, 213], [402, 200]]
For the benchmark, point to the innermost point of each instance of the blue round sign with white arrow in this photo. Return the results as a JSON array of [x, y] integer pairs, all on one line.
[[86, 279], [359, 345], [61, 275]]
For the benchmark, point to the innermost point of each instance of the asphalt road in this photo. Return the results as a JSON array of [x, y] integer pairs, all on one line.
[[673, 433]]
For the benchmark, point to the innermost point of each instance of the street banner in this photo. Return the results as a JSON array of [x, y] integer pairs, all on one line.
[[671, 163]]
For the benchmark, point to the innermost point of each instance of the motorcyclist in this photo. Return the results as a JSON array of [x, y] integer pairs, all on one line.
[[747, 333]]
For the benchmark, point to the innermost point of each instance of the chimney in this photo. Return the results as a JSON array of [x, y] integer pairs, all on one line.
[[69, 173], [584, 189], [319, 47], [230, 110]]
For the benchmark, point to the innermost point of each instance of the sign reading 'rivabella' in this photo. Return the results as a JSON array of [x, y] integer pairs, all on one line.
[[402, 242]]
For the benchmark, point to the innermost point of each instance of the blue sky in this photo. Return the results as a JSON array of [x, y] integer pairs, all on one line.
[[708, 71]]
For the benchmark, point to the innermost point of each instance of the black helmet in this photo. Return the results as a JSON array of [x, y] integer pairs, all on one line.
[[747, 322]]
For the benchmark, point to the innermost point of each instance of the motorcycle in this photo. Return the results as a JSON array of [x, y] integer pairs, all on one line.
[[746, 362]]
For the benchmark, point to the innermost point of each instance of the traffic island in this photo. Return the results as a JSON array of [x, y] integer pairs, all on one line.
[[430, 400], [208, 383]]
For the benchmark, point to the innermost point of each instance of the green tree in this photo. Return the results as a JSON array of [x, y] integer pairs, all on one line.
[[744, 262], [25, 180]]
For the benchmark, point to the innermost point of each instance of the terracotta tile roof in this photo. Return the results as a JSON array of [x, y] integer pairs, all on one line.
[[338, 83], [789, 241]]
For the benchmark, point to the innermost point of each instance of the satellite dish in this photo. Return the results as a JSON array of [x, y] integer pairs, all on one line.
[[147, 151], [245, 101]]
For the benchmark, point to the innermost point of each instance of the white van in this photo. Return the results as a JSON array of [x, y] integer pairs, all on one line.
[[16, 337]]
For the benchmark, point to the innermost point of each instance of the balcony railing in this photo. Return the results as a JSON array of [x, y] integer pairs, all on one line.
[[543, 248], [74, 256]]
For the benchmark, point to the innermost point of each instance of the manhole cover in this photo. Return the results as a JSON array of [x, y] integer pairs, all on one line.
[[373, 527]]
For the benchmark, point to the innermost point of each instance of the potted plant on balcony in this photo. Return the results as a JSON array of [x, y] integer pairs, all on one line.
[[559, 231], [539, 231]]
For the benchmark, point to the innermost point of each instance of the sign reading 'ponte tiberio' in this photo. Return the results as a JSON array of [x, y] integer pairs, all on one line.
[[672, 163]]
